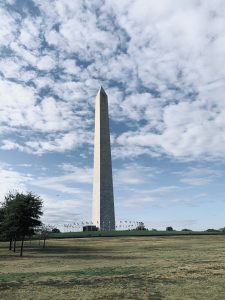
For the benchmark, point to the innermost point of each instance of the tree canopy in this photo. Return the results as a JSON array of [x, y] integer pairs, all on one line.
[[19, 215]]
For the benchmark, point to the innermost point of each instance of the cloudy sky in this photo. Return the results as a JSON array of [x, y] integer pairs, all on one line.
[[162, 64]]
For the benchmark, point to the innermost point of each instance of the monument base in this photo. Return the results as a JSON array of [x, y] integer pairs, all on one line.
[[90, 228]]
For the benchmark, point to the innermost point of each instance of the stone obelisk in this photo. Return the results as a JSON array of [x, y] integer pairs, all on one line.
[[103, 215]]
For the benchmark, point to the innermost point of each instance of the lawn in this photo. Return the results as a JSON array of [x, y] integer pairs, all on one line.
[[170, 267], [129, 233]]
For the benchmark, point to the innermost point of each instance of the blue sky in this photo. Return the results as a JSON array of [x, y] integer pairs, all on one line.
[[162, 66]]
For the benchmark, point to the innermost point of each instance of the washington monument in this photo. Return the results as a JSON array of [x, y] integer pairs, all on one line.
[[103, 215]]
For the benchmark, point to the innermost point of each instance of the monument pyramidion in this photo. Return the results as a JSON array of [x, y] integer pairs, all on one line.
[[103, 214]]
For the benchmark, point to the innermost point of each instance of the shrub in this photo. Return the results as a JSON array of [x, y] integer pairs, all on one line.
[[212, 230], [169, 228], [55, 230]]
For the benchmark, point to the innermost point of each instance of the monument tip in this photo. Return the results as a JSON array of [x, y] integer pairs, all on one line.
[[101, 90]]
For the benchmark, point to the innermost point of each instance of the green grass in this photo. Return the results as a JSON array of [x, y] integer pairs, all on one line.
[[166, 267], [129, 233]]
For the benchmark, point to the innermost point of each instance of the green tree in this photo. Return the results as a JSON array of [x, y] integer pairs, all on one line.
[[20, 214], [1, 220], [55, 230], [169, 228], [7, 224], [141, 226]]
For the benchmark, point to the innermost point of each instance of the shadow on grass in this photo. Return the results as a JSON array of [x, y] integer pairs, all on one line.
[[9, 285], [86, 257], [69, 252], [128, 285], [87, 272], [65, 249]]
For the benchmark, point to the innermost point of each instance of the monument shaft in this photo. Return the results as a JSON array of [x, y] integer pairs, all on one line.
[[103, 214]]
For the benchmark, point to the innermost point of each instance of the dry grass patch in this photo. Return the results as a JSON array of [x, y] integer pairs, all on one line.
[[183, 267]]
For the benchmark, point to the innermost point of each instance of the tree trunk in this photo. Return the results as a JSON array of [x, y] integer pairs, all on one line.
[[10, 244], [14, 246], [44, 242], [21, 248]]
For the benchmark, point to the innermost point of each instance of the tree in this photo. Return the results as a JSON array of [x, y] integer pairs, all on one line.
[[141, 226], [7, 222], [44, 231], [2, 211], [169, 228], [20, 214], [55, 230]]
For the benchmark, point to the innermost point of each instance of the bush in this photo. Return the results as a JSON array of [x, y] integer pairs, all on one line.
[[169, 228], [55, 230], [212, 230]]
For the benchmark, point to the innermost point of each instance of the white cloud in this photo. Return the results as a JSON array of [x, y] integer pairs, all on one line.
[[10, 67], [134, 174], [160, 197], [71, 67], [8, 27], [61, 207], [164, 61], [10, 1], [29, 35], [9, 145], [28, 57], [190, 130], [20, 112], [43, 82], [197, 176], [67, 183], [61, 211], [82, 175], [46, 63], [62, 143], [54, 143], [11, 180], [15, 96], [127, 151]]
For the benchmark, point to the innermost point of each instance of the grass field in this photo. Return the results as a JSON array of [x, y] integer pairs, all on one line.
[[129, 233], [173, 267]]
